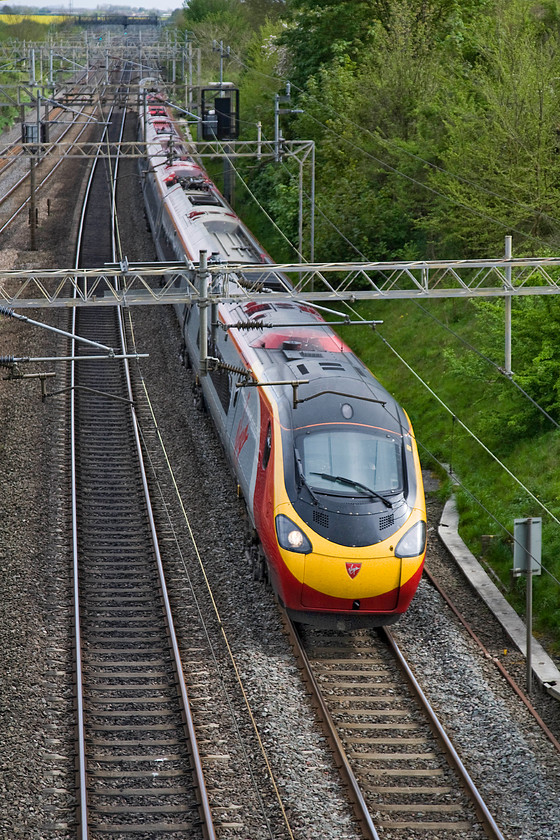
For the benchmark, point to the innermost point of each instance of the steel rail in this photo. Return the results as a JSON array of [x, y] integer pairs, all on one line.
[[357, 800], [203, 799], [204, 802], [81, 772], [360, 808], [503, 671], [486, 818]]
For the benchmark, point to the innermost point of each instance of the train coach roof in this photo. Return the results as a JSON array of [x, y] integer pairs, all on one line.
[[334, 388], [283, 325], [340, 400]]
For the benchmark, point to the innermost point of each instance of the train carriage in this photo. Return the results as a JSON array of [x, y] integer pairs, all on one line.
[[327, 463]]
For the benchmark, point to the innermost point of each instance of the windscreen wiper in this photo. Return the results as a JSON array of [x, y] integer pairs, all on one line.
[[302, 480], [351, 483]]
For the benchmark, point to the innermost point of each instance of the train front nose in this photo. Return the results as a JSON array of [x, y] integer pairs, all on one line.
[[353, 583]]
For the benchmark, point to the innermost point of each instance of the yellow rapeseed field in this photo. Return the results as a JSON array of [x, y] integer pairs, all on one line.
[[46, 19]]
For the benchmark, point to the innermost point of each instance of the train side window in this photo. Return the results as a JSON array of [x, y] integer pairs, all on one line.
[[267, 449]]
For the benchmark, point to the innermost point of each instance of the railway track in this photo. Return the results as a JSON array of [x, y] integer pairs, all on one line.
[[219, 760], [15, 167], [458, 612], [139, 769], [405, 777], [142, 769], [138, 745]]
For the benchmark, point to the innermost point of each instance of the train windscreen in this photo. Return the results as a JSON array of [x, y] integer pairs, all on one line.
[[350, 461]]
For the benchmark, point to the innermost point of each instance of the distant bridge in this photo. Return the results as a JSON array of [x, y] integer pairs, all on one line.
[[115, 20]]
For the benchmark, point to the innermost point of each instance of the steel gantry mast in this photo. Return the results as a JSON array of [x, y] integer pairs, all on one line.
[[144, 284]]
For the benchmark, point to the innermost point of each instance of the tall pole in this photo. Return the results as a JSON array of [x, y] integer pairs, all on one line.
[[45, 122], [145, 111], [529, 607], [32, 67], [276, 127], [312, 224], [507, 286], [190, 76], [300, 211], [32, 208], [38, 120], [229, 177]]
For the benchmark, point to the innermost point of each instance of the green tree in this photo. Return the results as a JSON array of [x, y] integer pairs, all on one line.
[[321, 30], [535, 362], [254, 11], [199, 10], [500, 161], [259, 79], [375, 124], [261, 11]]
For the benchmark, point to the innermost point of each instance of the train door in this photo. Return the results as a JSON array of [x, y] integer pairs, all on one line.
[[243, 424]]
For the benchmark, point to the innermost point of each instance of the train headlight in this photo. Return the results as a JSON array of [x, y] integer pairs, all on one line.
[[291, 537], [413, 543]]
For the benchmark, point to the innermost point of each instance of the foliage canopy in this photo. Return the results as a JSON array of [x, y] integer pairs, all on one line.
[[437, 134]]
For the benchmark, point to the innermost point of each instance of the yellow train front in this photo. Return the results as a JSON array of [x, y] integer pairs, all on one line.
[[339, 502]]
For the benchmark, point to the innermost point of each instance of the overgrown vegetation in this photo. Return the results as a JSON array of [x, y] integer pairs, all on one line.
[[14, 68], [437, 132]]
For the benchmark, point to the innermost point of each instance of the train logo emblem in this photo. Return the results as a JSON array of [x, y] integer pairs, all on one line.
[[353, 569]]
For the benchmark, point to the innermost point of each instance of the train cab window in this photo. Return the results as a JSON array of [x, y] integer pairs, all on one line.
[[252, 308], [267, 448], [369, 458]]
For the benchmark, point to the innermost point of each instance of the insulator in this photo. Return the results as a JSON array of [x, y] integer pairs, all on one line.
[[7, 361], [244, 325], [5, 310], [217, 364]]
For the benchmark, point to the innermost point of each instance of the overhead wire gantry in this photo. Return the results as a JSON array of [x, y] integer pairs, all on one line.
[[154, 283]]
